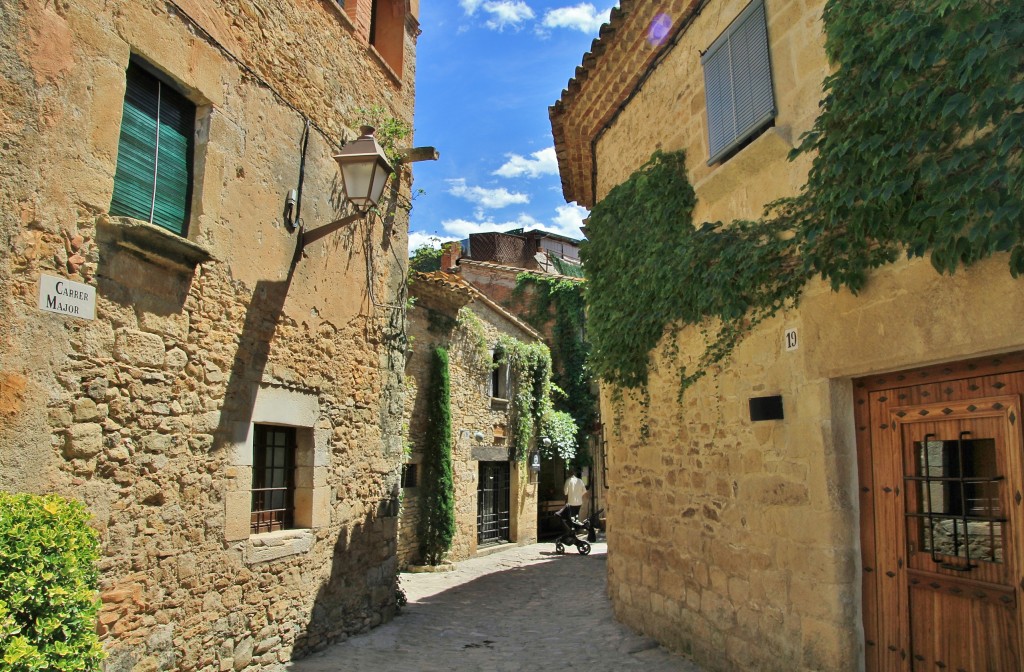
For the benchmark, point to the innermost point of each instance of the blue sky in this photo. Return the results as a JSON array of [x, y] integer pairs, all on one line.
[[486, 73]]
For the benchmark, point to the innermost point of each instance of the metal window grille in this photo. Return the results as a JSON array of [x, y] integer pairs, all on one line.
[[492, 521], [958, 516], [738, 82], [273, 479]]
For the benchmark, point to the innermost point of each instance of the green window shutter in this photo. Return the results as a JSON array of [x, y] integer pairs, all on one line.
[[153, 180], [738, 82], [174, 164]]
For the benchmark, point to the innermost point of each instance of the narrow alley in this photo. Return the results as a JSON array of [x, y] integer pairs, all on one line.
[[524, 608]]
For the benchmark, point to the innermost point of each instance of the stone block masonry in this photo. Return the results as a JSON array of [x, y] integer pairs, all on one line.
[[147, 412]]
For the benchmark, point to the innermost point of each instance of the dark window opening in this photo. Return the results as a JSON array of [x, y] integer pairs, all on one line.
[[410, 475], [273, 479], [499, 378]]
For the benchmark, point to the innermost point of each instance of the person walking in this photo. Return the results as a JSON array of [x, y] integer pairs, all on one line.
[[575, 489]]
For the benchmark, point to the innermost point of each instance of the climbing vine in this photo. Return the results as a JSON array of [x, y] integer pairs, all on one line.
[[561, 429], [388, 130], [437, 524], [648, 267], [918, 146], [530, 365], [917, 151], [563, 300], [475, 332]]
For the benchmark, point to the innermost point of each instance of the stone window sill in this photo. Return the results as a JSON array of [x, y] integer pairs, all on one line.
[[384, 64], [153, 243], [269, 546], [499, 404]]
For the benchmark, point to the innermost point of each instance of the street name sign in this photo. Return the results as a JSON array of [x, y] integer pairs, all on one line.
[[65, 297]]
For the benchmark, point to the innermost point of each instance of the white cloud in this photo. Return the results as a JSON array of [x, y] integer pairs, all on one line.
[[540, 163], [483, 197], [568, 220], [470, 6], [583, 17], [506, 13], [418, 239], [461, 228]]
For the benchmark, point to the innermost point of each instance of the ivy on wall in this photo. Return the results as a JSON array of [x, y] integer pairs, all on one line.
[[564, 300], [917, 151], [437, 524], [530, 365], [918, 146]]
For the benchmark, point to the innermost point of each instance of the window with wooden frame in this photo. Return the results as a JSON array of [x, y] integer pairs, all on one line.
[[273, 479], [387, 32], [738, 83], [499, 378], [153, 179]]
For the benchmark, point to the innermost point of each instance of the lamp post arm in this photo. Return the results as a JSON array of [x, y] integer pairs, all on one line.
[[321, 231], [414, 154]]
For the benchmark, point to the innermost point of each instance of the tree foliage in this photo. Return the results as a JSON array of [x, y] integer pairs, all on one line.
[[437, 521], [425, 259]]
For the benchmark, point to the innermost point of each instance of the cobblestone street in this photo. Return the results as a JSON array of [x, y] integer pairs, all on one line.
[[523, 608]]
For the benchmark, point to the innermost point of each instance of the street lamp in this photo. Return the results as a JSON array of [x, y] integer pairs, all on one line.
[[364, 170]]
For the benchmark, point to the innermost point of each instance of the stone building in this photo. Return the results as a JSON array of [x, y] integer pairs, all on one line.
[[796, 543], [229, 409], [491, 264], [495, 493]]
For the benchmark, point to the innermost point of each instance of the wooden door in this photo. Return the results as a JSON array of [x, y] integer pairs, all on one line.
[[941, 486], [961, 469]]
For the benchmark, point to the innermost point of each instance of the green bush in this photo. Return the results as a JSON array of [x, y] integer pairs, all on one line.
[[48, 582]]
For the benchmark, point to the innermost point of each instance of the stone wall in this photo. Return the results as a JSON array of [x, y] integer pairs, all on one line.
[[732, 540], [433, 322], [143, 413]]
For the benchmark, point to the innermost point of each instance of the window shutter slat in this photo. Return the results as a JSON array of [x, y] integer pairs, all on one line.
[[136, 159], [172, 180], [754, 100], [718, 91]]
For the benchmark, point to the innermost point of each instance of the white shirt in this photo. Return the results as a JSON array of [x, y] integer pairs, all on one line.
[[574, 490]]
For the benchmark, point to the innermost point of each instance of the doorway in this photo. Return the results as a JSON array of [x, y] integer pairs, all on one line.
[[492, 517], [942, 477]]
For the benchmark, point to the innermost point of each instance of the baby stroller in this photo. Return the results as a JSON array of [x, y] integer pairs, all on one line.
[[575, 532]]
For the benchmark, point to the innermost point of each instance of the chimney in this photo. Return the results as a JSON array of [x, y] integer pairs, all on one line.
[[452, 252]]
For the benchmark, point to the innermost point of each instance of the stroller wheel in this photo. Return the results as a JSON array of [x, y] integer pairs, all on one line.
[[584, 548], [559, 547]]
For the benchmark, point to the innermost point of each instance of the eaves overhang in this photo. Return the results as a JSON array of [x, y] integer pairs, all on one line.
[[612, 72]]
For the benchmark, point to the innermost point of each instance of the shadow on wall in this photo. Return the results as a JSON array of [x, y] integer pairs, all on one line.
[[359, 593]]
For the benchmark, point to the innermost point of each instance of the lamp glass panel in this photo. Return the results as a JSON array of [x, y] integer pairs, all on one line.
[[357, 178], [380, 177]]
